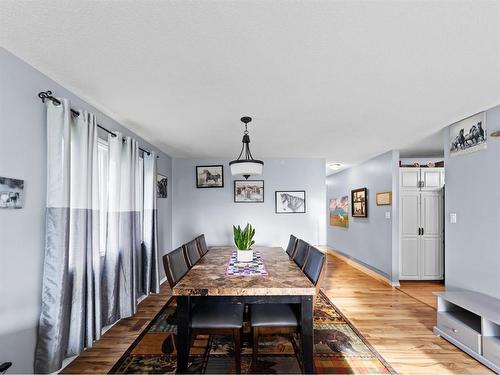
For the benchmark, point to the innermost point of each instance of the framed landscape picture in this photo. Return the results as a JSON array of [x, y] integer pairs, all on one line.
[[161, 186], [11, 193], [290, 202], [359, 199], [339, 212], [209, 176], [246, 191]]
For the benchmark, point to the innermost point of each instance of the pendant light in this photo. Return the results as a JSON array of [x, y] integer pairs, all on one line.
[[246, 165]]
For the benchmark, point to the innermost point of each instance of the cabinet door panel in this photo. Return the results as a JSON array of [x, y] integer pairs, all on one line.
[[431, 214], [409, 178], [410, 258], [432, 178], [410, 213], [431, 258]]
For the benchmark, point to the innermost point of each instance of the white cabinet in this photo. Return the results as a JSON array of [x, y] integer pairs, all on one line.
[[431, 178], [421, 224], [422, 179]]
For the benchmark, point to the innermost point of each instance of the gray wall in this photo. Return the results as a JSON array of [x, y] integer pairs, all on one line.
[[23, 156], [213, 212], [371, 241], [472, 254]]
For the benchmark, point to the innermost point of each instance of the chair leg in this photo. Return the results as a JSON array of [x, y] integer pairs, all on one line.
[[194, 334], [237, 349], [255, 346]]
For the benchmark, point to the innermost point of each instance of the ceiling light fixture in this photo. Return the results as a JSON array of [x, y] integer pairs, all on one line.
[[335, 166], [246, 165]]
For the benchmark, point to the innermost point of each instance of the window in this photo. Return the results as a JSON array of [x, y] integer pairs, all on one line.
[[103, 166]]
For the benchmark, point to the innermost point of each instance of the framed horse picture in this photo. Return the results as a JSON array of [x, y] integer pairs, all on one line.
[[290, 202], [359, 200], [209, 176]]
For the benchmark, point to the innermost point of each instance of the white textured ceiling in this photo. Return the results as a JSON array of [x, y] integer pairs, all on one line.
[[342, 80]]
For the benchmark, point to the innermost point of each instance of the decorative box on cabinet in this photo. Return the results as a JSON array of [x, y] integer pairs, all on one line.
[[471, 321]]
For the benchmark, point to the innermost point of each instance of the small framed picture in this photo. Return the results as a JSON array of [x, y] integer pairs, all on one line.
[[161, 186], [359, 200], [246, 191], [11, 193], [209, 176], [290, 202], [384, 198]]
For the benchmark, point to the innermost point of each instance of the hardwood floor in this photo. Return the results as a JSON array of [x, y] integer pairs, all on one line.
[[422, 290], [115, 342], [396, 324]]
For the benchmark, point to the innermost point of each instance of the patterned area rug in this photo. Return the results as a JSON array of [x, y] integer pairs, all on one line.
[[338, 349]]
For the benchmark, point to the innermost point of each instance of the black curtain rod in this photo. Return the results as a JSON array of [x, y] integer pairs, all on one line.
[[47, 95]]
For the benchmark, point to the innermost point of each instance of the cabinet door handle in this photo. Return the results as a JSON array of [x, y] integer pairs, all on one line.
[[422, 231], [419, 231]]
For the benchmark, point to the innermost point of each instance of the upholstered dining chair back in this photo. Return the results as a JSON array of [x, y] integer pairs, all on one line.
[[202, 244], [301, 253], [175, 266], [314, 264], [192, 252], [292, 243]]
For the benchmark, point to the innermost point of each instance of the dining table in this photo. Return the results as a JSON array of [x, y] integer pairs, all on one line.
[[283, 282]]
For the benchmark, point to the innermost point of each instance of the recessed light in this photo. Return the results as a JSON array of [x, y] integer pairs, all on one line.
[[334, 166]]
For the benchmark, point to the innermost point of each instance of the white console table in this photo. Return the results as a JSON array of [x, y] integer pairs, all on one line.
[[471, 321]]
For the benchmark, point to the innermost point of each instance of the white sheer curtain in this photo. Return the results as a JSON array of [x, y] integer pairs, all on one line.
[[70, 311], [122, 261]]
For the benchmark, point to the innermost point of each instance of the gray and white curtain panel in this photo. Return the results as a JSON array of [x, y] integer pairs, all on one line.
[[84, 289]]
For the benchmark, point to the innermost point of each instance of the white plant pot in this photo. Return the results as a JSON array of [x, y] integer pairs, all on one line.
[[245, 255]]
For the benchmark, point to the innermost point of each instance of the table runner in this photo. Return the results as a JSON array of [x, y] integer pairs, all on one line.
[[254, 268]]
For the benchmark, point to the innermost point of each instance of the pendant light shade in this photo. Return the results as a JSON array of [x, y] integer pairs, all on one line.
[[246, 165]]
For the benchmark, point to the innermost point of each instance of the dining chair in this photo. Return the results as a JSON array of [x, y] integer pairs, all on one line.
[[300, 254], [281, 318], [292, 243], [314, 264], [207, 317], [192, 252], [202, 244], [175, 265], [225, 319]]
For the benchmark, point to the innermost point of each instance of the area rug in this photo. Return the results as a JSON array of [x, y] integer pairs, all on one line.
[[338, 349]]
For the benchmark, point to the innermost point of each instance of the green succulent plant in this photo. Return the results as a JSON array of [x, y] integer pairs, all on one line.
[[243, 238]]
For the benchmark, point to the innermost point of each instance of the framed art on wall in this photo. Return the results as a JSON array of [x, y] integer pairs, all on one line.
[[248, 191], [384, 198], [359, 199], [468, 135], [339, 212], [161, 186], [11, 193], [290, 202], [209, 176]]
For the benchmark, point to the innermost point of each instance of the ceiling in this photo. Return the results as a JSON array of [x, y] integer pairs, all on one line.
[[340, 80]]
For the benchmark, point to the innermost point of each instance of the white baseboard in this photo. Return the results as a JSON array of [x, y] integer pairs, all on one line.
[[361, 267]]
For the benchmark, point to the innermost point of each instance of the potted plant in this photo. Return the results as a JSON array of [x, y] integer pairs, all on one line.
[[243, 239]]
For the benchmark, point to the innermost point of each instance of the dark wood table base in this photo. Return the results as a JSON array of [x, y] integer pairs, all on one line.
[[306, 326]]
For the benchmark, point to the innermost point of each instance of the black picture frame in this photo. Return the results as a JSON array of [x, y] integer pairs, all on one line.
[[161, 186], [362, 202], [277, 211], [206, 186], [249, 201]]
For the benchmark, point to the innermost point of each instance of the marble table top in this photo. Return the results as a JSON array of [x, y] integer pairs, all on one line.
[[208, 276]]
